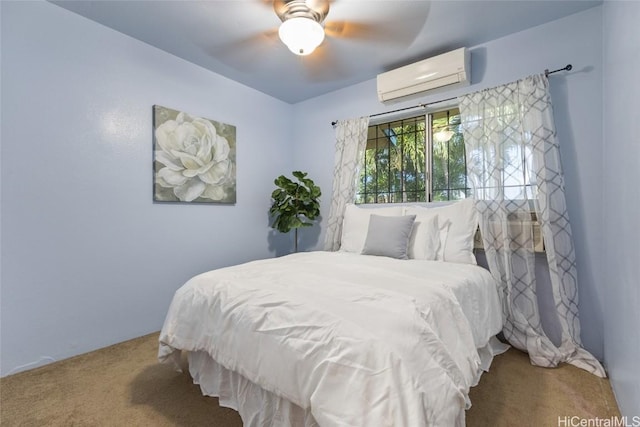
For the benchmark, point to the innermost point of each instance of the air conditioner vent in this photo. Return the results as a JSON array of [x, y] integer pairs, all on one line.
[[449, 69]]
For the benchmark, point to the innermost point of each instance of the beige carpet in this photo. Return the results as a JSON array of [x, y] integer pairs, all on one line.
[[123, 385]]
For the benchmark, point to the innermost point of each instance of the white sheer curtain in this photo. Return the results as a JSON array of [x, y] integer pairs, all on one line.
[[513, 165], [351, 141]]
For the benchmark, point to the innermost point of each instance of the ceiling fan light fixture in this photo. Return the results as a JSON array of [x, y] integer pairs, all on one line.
[[301, 35]]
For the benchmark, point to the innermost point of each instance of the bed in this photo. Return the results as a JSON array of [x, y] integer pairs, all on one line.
[[338, 338]]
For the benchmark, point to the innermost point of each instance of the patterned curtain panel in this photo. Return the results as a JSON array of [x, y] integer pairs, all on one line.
[[514, 169], [351, 140]]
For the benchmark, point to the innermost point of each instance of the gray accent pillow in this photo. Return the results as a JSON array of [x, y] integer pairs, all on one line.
[[389, 236]]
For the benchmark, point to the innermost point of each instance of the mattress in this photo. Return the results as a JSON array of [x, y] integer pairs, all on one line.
[[337, 339]]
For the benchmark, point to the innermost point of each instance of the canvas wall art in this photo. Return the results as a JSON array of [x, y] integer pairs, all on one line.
[[194, 159]]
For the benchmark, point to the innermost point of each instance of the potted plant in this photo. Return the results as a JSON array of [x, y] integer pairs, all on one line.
[[294, 204]]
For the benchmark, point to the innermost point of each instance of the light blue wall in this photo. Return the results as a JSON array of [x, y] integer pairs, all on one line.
[[621, 197], [577, 98], [87, 259]]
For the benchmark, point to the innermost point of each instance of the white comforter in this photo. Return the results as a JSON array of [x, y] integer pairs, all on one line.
[[359, 340]]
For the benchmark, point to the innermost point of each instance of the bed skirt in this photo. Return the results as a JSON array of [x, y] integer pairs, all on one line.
[[260, 408]]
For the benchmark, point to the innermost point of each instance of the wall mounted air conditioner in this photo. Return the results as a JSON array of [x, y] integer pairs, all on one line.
[[449, 69]]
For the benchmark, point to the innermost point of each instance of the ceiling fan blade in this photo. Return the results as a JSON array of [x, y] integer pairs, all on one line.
[[351, 30], [246, 54], [245, 37], [380, 32], [382, 22]]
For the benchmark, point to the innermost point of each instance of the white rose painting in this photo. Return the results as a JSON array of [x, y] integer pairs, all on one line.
[[194, 158]]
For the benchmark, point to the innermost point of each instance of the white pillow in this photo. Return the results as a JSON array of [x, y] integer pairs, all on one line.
[[355, 225], [462, 221], [424, 242]]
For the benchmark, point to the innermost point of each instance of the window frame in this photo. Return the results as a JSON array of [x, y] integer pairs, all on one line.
[[426, 112]]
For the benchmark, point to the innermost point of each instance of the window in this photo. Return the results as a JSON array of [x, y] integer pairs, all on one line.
[[416, 159], [423, 158]]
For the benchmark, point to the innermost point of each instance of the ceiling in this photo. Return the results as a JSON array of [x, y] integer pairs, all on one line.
[[239, 39]]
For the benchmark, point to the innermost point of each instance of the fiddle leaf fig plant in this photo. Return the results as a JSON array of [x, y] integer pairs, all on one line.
[[294, 204]]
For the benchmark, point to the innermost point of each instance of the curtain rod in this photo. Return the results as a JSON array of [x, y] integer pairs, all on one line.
[[546, 73], [406, 108], [569, 67]]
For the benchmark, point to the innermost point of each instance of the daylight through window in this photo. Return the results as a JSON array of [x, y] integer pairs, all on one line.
[[416, 159]]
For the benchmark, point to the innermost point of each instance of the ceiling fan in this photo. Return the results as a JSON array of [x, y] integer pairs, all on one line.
[[327, 36]]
